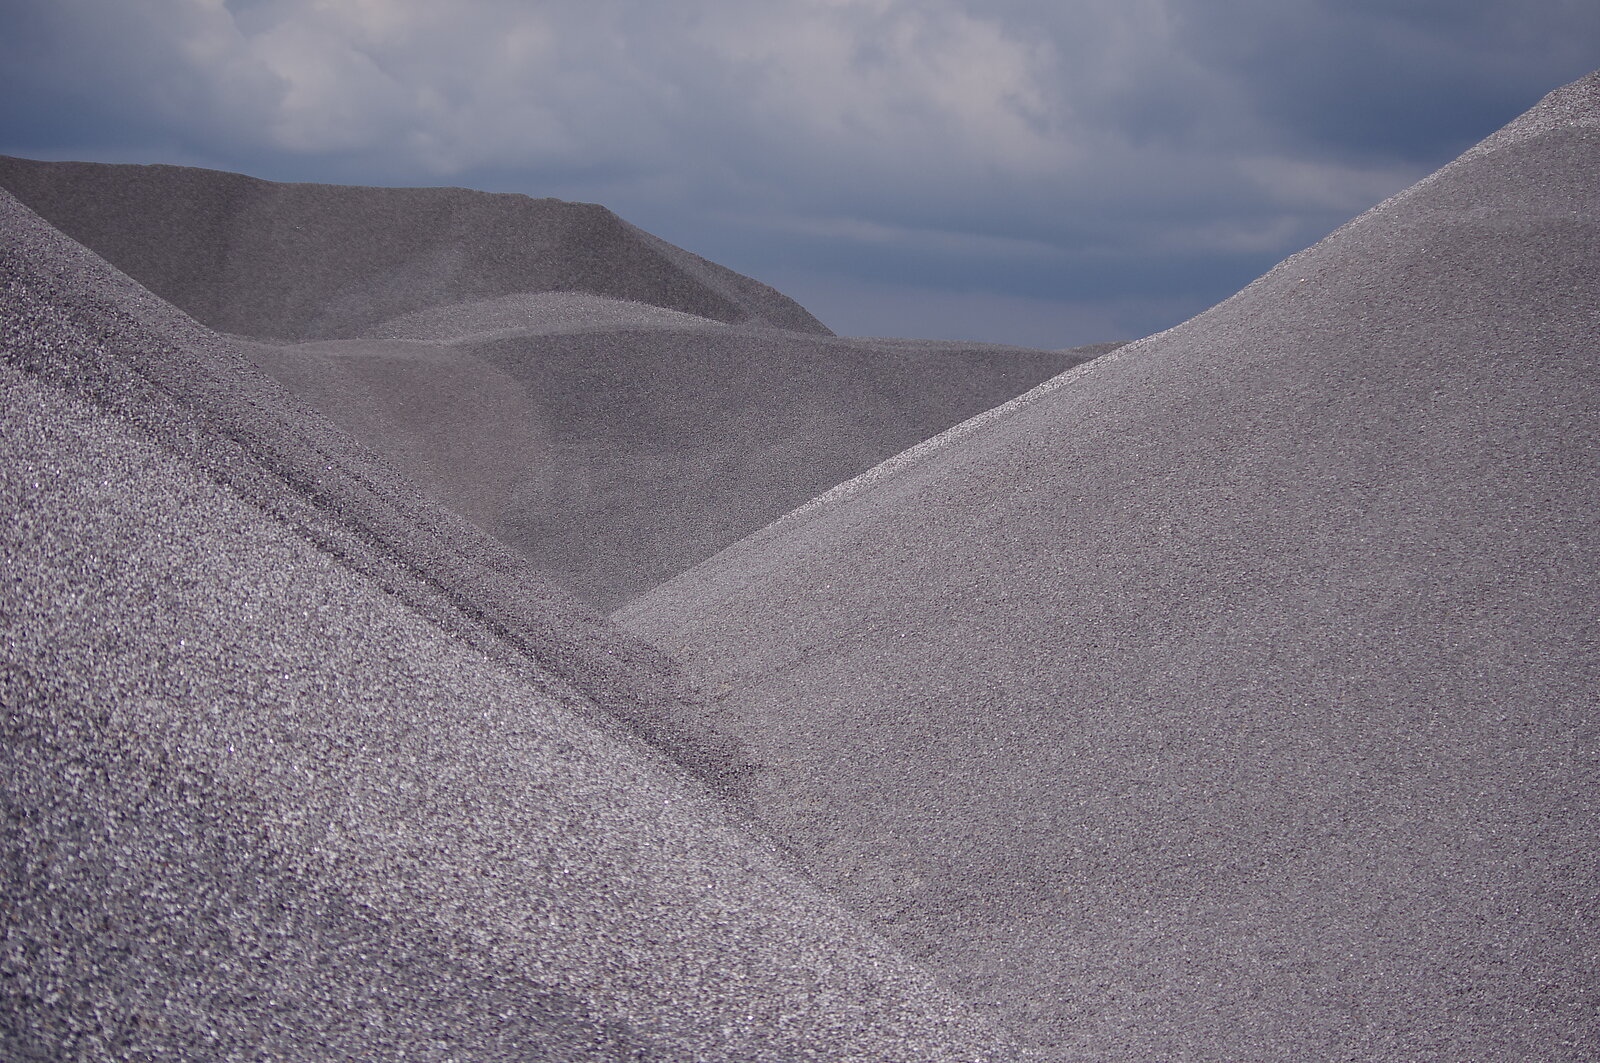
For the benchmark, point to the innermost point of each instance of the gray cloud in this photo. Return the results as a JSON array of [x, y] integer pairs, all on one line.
[[1028, 161]]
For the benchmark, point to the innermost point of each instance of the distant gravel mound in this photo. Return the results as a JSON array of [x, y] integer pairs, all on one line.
[[309, 261], [616, 444], [1235, 696]]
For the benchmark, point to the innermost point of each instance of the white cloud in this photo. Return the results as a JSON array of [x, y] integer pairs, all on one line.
[[888, 77], [412, 82], [449, 87]]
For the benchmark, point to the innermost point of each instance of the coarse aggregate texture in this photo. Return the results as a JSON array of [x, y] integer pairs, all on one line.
[[201, 395], [616, 455], [288, 773], [1235, 696], [311, 261]]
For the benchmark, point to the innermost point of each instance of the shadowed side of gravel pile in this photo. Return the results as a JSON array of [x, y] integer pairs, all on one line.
[[309, 261]]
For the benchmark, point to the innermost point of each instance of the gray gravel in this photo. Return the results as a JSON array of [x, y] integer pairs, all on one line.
[[615, 458], [310, 261], [1234, 696], [299, 767]]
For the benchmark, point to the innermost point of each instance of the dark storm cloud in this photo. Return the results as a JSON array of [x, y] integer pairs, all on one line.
[[1411, 80], [1107, 163]]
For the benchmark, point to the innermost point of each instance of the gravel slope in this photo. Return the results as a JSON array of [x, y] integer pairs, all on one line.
[[297, 766], [1234, 696], [615, 454]]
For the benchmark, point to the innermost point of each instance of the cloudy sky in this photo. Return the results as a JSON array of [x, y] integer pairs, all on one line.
[[1048, 173]]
